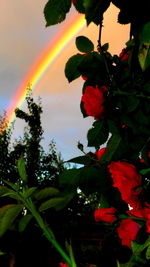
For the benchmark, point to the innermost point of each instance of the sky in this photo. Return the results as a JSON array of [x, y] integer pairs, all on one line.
[[23, 38]]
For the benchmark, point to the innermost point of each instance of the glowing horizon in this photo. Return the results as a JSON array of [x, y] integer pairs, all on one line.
[[47, 57]]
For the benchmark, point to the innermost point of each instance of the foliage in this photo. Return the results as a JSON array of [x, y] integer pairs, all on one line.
[[107, 198], [25, 163], [116, 94], [33, 196]]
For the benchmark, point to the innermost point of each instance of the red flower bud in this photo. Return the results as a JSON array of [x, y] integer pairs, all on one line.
[[100, 153], [124, 55], [105, 215]]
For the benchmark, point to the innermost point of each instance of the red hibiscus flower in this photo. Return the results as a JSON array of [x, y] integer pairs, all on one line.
[[128, 181], [100, 153], [147, 216], [74, 1], [127, 231], [136, 213], [105, 215], [93, 102], [142, 213], [61, 264]]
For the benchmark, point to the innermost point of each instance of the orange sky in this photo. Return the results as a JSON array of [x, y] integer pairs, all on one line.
[[23, 37], [113, 33]]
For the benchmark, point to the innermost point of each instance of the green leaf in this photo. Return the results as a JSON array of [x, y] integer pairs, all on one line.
[[29, 192], [98, 134], [71, 68], [136, 248], [145, 35], [113, 127], [24, 221], [64, 203], [144, 55], [80, 146], [144, 48], [112, 146], [132, 103], [55, 11], [84, 45], [145, 171], [70, 177], [148, 253], [12, 194], [105, 47], [92, 66], [13, 186], [2, 253], [51, 203], [104, 203], [4, 190], [85, 160], [46, 192], [8, 214], [22, 169]]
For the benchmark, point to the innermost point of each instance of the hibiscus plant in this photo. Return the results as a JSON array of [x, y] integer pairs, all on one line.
[[116, 93]]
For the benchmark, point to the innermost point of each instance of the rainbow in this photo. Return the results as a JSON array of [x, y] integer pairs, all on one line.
[[49, 54]]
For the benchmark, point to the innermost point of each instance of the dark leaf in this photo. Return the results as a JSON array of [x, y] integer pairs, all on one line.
[[145, 35], [113, 127], [98, 134], [70, 177], [105, 47], [84, 45], [24, 221], [85, 160], [98, 8], [71, 69], [132, 103], [112, 146], [55, 11], [93, 179], [79, 6]]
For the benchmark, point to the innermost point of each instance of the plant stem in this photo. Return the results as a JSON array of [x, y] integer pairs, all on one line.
[[130, 94], [46, 230]]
